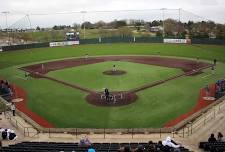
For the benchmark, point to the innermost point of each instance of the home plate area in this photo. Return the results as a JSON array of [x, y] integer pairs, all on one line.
[[114, 98]]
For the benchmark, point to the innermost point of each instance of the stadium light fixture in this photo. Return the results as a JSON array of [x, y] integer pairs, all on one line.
[[6, 18]]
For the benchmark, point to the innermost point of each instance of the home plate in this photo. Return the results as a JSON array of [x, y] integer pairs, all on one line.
[[17, 100], [209, 98]]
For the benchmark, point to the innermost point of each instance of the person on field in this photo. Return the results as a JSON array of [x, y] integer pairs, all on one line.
[[197, 59], [106, 94], [213, 70], [207, 90], [114, 68], [214, 61], [13, 108], [86, 57]]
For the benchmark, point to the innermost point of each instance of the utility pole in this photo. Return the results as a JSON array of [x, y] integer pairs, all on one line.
[[84, 12], [179, 13], [163, 15]]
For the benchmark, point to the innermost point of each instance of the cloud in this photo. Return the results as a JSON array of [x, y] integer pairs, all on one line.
[[212, 9]]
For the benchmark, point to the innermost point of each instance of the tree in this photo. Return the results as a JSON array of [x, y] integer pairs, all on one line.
[[125, 31], [116, 24], [156, 23], [38, 28], [76, 26], [100, 24], [220, 31], [87, 25]]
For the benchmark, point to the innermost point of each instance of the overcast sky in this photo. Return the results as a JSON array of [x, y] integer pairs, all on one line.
[[208, 9]]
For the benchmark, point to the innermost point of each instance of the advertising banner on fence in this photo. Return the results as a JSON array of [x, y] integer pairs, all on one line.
[[64, 43], [177, 41], [1, 49]]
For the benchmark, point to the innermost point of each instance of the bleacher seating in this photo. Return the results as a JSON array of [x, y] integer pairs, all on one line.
[[70, 147], [212, 147]]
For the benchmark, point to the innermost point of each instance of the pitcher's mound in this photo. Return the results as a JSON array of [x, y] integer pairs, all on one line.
[[115, 99], [117, 72]]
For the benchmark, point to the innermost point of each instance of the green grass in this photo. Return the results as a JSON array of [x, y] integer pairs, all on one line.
[[207, 52], [65, 107], [91, 76]]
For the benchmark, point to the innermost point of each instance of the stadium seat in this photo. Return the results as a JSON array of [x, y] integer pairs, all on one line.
[[69, 147]]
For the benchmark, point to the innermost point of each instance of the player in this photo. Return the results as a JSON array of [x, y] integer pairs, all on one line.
[[86, 57], [114, 68]]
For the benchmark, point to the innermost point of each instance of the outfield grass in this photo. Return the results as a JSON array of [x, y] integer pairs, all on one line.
[[207, 52], [65, 107], [91, 76]]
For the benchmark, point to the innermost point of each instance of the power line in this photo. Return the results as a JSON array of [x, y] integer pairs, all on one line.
[[93, 11]]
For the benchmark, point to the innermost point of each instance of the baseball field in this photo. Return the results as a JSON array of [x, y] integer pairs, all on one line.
[[64, 87]]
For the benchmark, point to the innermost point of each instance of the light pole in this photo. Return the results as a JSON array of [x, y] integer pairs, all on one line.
[[163, 15], [6, 18], [6, 23], [84, 12]]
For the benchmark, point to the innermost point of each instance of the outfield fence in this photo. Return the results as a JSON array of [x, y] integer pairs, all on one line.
[[103, 40], [183, 129]]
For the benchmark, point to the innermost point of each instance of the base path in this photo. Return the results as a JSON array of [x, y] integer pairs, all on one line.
[[190, 67], [184, 64]]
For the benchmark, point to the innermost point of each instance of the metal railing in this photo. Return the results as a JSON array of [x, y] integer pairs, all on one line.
[[191, 125]]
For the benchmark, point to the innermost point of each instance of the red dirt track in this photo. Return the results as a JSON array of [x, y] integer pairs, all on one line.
[[22, 106], [190, 67], [200, 105]]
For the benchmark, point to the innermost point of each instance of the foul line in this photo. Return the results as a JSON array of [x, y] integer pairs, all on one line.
[[206, 75], [21, 77]]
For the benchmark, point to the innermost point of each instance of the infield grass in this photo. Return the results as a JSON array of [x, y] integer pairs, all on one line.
[[92, 77]]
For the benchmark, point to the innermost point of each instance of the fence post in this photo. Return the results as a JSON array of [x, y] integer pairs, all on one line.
[[28, 134], [49, 133], [214, 112], [183, 132], [188, 130], [104, 133], [76, 133], [24, 132], [132, 133], [173, 132], [160, 133], [204, 119]]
